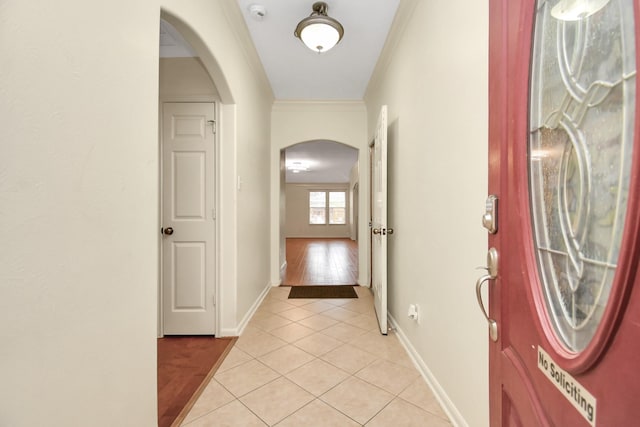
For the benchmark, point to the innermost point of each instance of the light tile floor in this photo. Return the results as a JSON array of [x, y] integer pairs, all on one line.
[[317, 363]]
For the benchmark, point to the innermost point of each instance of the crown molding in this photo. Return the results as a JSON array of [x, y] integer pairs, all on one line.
[[236, 21], [404, 14], [326, 105]]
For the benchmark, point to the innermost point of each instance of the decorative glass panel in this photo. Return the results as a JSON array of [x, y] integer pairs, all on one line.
[[582, 109]]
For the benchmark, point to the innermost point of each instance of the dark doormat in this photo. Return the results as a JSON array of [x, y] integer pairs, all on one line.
[[322, 292]]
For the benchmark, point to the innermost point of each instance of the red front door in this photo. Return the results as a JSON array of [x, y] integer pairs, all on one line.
[[564, 163]]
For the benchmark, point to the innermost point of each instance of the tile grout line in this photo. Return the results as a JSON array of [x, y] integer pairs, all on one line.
[[274, 299]]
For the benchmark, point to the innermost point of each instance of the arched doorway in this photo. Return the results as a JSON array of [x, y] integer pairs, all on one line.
[[320, 213], [194, 105]]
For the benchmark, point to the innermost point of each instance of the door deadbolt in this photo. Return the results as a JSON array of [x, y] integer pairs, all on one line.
[[490, 217]]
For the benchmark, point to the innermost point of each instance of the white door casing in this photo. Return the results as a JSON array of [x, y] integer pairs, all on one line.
[[379, 221], [188, 219]]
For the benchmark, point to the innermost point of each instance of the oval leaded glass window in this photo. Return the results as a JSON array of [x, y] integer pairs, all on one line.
[[581, 120]]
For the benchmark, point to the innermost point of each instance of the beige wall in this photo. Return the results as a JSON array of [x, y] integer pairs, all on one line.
[[433, 77], [78, 190], [185, 79], [354, 202], [79, 197], [297, 212], [297, 121]]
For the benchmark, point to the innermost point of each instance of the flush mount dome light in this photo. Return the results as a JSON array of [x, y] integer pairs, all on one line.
[[297, 166], [319, 31]]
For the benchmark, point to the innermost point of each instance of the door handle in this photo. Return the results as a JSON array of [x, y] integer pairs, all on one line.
[[492, 268], [493, 326], [168, 231], [383, 231]]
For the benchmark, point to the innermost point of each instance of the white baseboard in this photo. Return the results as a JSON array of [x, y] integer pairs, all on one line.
[[279, 281], [447, 405], [229, 332], [252, 310]]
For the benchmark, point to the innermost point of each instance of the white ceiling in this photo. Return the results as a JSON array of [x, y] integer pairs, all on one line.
[[297, 73], [329, 162]]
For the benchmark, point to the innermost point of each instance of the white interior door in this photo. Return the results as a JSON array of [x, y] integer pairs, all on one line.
[[188, 257], [379, 220]]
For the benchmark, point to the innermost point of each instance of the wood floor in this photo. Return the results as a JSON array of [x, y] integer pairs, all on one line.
[[184, 366], [321, 262]]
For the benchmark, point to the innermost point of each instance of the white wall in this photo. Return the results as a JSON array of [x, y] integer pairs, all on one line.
[[433, 77], [293, 122], [297, 212], [79, 201]]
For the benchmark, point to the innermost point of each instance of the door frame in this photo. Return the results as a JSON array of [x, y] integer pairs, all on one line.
[[226, 172], [507, 121], [280, 199], [216, 204], [379, 146]]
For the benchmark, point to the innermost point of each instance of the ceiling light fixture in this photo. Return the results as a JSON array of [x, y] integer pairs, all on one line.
[[319, 31], [298, 166]]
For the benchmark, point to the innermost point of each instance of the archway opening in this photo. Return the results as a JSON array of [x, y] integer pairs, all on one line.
[[191, 96], [319, 185]]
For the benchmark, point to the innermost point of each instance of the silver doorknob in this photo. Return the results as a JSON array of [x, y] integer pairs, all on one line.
[[389, 230], [377, 231], [168, 231]]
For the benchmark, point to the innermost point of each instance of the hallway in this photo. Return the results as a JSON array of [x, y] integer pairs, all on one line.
[[321, 262], [80, 265], [316, 362]]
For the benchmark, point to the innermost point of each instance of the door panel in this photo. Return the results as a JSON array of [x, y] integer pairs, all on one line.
[[189, 185], [187, 219], [564, 162], [188, 285], [379, 227], [510, 415]]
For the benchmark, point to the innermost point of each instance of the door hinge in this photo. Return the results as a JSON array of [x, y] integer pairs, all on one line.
[[213, 125]]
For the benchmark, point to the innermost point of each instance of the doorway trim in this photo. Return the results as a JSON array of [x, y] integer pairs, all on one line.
[[326, 187], [216, 204], [293, 122], [226, 171]]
